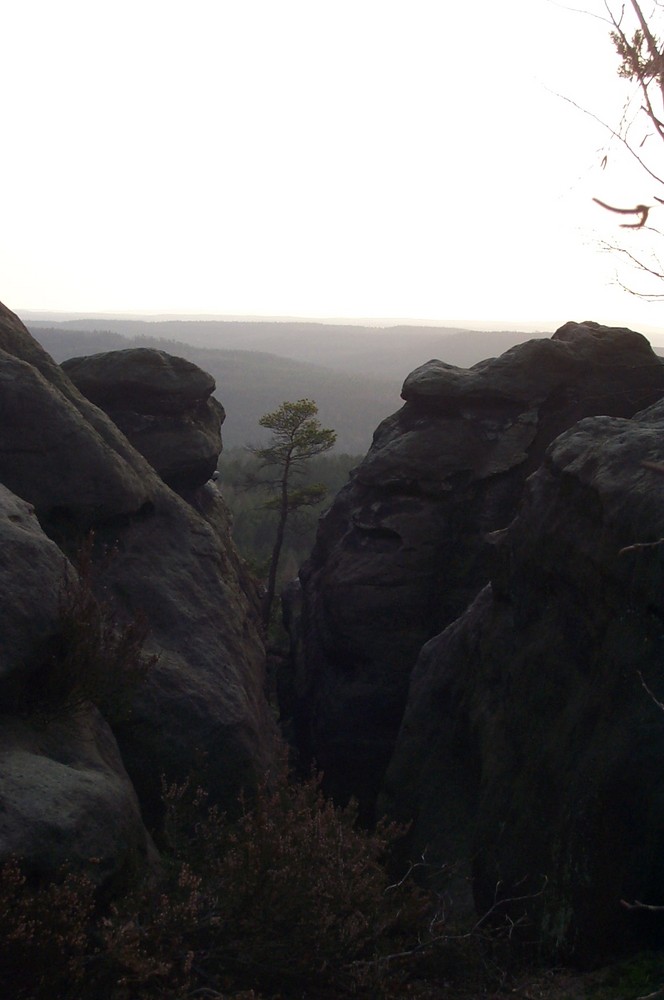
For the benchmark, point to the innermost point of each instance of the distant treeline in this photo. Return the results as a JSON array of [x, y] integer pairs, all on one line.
[[251, 383]]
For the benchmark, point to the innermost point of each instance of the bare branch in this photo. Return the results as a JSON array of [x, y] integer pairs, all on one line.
[[642, 545], [432, 942], [636, 905], [638, 263], [641, 210], [649, 692], [616, 135]]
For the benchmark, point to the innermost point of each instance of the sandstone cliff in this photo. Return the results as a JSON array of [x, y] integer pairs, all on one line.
[[405, 547], [66, 469], [532, 744], [479, 633]]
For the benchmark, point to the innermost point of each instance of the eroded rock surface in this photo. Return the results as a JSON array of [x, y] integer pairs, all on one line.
[[404, 550], [531, 748], [67, 801], [162, 404], [203, 709], [65, 797], [32, 572]]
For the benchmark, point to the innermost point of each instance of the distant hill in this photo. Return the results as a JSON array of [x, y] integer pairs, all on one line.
[[354, 373], [386, 352], [250, 383]]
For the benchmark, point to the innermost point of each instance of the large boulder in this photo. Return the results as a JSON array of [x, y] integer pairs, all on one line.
[[67, 801], [65, 797], [203, 708], [51, 455], [532, 746], [162, 404], [25, 410], [403, 550]]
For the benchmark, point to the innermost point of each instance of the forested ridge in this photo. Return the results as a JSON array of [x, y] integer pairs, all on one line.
[[353, 372], [249, 383]]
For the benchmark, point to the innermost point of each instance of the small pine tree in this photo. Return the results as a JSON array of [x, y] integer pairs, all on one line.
[[297, 437]]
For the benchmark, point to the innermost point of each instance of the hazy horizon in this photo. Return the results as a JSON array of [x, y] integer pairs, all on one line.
[[378, 323], [382, 163]]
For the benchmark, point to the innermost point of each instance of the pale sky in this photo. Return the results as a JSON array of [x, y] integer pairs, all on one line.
[[352, 158]]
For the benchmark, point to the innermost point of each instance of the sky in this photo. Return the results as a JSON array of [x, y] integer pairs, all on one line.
[[385, 159]]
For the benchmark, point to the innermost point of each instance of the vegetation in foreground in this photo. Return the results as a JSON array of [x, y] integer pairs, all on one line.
[[291, 899]]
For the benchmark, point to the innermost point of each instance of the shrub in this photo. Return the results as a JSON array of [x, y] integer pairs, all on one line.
[[303, 893], [291, 897], [44, 934]]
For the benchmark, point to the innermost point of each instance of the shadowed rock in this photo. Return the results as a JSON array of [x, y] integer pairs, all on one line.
[[67, 800], [531, 749], [32, 572], [203, 709], [65, 796], [403, 550], [163, 405]]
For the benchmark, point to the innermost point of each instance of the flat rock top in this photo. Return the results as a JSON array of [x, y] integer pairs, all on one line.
[[530, 371], [139, 378]]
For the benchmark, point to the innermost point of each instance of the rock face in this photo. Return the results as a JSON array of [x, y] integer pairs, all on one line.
[[32, 570], [67, 800], [203, 709], [162, 404], [61, 453], [531, 742], [64, 793], [403, 550]]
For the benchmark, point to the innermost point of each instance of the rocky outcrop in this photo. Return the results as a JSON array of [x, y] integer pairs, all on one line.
[[162, 404], [164, 407], [65, 796], [532, 743], [32, 571], [403, 550], [203, 708], [67, 800], [53, 455]]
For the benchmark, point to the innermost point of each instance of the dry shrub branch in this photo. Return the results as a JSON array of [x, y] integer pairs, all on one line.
[[290, 897]]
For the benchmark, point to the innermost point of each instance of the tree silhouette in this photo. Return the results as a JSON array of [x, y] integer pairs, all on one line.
[[297, 437]]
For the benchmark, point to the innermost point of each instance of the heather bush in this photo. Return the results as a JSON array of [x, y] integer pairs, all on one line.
[[291, 897], [302, 894], [44, 934]]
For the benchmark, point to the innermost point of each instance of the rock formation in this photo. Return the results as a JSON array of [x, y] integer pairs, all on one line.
[[162, 404], [203, 707], [532, 743], [67, 800], [32, 569], [478, 633], [64, 793], [404, 550]]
